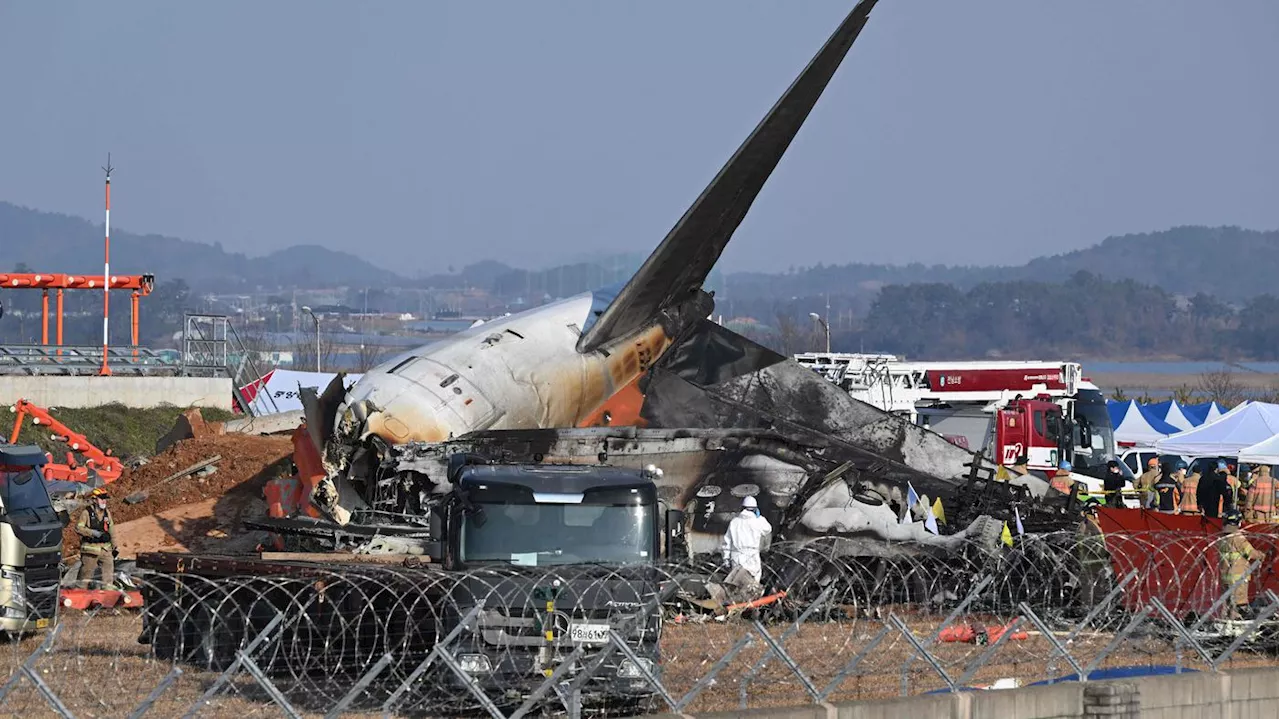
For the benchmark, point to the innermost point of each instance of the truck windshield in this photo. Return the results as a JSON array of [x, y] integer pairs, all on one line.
[[541, 534], [22, 489], [1104, 443]]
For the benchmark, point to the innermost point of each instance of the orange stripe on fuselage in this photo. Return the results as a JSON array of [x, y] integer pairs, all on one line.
[[623, 408]]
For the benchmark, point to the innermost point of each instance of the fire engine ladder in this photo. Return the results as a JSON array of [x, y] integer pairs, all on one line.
[[211, 345]]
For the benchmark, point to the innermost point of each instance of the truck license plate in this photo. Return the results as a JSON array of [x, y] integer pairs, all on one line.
[[589, 633], [42, 623]]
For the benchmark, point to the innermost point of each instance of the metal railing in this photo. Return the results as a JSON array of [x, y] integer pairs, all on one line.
[[76, 360], [415, 641]]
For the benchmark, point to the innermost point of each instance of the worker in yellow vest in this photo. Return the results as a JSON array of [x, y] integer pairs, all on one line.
[[1062, 480], [1146, 484]]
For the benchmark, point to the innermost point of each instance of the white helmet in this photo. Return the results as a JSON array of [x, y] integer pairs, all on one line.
[[749, 503]]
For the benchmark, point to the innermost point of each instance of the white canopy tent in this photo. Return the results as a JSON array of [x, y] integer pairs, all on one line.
[[1265, 452], [1242, 427]]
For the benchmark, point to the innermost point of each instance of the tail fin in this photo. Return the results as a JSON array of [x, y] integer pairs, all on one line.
[[677, 269]]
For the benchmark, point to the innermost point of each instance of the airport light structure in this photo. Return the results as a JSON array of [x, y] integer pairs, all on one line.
[[140, 285], [317, 321], [826, 329]]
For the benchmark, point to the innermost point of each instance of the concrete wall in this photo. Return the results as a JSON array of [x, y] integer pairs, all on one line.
[[130, 391], [1241, 694]]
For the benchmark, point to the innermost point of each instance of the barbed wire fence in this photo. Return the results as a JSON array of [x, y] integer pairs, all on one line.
[[830, 624]]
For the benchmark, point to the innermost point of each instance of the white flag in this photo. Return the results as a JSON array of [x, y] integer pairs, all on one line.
[[912, 499], [1017, 518]]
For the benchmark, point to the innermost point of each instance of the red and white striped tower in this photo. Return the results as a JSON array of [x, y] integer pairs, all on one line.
[[106, 273]]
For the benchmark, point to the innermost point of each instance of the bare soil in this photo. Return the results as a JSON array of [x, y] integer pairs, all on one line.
[[182, 514]]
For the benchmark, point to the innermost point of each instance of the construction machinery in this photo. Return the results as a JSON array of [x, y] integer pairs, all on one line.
[[85, 461]]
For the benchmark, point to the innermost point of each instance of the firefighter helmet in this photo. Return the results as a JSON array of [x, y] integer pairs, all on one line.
[[1231, 516], [100, 493]]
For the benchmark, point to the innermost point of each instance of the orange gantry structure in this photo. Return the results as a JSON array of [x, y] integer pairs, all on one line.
[[141, 285]]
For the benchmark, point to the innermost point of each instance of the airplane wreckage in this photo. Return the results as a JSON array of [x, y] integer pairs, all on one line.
[[637, 375]]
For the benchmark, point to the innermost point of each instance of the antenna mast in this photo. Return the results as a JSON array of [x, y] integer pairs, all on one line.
[[106, 272]]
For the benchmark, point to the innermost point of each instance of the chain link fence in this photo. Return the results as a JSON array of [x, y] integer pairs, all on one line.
[[370, 640]]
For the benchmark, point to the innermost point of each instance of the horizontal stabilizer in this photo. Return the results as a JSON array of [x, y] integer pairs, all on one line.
[[680, 264]]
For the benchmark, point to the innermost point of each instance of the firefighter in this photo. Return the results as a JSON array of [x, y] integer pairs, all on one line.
[[1062, 480], [1190, 487], [1113, 485], [1234, 554], [97, 539], [1260, 502], [1265, 504], [1237, 489], [1091, 552], [1146, 483], [1168, 490]]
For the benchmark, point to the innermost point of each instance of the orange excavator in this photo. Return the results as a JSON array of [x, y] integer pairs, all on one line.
[[84, 460]]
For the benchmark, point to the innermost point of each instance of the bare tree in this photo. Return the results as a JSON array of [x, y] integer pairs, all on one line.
[[1269, 394], [796, 336], [368, 357], [304, 353], [1184, 394], [1221, 386], [1119, 395], [256, 344]]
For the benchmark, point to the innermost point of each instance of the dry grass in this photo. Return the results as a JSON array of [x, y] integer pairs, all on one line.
[[97, 668]]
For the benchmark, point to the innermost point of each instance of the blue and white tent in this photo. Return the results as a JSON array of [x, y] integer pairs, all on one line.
[[1139, 424], [1203, 412], [1171, 412]]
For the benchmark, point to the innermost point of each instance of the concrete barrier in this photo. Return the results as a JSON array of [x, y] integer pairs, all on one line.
[[142, 392], [1239, 694]]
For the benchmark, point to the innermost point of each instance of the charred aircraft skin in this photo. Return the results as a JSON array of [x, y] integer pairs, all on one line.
[[806, 489], [553, 366]]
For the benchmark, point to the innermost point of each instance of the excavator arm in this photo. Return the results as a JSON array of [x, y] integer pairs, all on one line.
[[96, 462]]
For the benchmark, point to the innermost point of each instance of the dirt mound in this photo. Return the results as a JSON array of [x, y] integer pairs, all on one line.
[[225, 497]]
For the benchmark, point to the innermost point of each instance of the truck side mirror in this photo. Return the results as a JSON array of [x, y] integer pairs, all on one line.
[[673, 534]]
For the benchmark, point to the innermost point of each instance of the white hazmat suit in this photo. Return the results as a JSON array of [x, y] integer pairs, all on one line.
[[740, 545]]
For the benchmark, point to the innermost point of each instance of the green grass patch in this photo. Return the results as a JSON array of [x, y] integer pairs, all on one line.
[[126, 431]]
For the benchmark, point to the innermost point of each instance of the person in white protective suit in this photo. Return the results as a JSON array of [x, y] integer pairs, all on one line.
[[740, 545]]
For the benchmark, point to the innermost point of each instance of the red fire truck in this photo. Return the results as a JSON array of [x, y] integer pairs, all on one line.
[[1045, 410]]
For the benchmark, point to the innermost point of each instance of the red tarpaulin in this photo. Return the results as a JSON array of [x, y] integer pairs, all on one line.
[[1176, 557]]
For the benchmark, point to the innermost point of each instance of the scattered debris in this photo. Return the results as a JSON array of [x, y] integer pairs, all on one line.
[[189, 425], [141, 495]]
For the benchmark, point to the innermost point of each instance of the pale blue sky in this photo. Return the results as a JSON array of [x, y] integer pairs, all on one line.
[[425, 134]]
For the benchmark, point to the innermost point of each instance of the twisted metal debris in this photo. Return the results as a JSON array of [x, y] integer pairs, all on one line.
[[401, 641]]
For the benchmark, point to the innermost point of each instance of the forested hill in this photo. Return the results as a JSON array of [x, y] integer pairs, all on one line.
[[50, 242], [1230, 263]]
